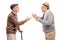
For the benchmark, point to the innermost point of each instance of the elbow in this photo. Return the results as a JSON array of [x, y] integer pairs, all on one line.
[[48, 23]]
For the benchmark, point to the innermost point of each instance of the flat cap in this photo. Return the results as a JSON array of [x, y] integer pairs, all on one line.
[[13, 5]]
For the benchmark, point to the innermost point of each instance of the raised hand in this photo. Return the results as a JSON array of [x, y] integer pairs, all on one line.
[[34, 15], [28, 18]]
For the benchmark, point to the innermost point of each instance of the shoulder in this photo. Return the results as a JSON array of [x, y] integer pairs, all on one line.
[[10, 15], [50, 13]]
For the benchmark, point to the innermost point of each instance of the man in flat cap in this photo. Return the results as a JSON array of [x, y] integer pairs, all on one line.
[[47, 21], [13, 24]]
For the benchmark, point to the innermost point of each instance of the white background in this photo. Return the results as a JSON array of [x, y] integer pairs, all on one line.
[[32, 30]]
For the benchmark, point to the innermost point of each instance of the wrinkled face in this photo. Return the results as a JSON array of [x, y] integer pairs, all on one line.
[[44, 8], [16, 8]]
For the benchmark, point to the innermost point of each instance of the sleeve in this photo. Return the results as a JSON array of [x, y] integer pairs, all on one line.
[[13, 20], [18, 28]]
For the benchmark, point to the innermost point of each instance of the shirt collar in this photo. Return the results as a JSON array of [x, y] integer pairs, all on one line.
[[14, 13], [47, 11]]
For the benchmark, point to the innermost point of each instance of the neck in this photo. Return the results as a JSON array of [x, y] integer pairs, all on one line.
[[14, 11]]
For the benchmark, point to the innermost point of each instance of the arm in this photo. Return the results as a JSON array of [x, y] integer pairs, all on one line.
[[13, 20], [44, 21], [16, 22]]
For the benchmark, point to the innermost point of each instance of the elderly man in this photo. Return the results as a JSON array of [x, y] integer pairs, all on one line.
[[47, 21], [13, 24]]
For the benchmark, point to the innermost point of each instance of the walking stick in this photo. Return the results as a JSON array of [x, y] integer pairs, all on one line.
[[21, 36]]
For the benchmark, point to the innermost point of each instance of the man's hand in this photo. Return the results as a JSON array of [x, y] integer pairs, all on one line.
[[20, 31], [28, 18], [36, 17]]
